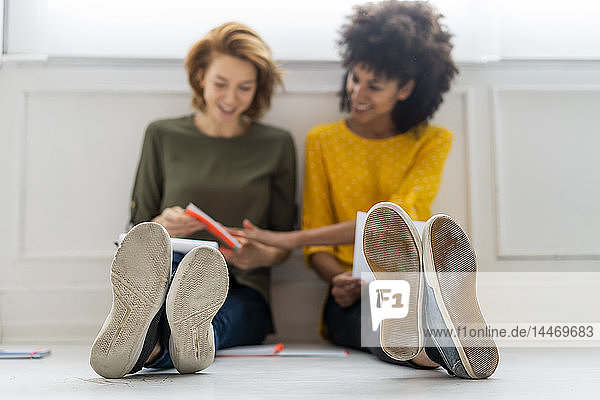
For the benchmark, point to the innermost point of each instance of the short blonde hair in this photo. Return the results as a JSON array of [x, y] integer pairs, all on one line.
[[237, 40]]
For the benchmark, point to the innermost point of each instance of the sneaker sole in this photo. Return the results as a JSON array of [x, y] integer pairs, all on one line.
[[139, 276], [452, 277], [197, 292], [392, 244]]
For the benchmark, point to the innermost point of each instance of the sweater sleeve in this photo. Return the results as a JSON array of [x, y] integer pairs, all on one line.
[[317, 202], [283, 190], [148, 187], [423, 179]]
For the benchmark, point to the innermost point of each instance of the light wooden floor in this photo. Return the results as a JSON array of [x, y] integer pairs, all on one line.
[[542, 373]]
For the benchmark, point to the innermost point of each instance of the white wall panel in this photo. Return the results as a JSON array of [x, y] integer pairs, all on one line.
[[80, 151], [547, 171], [453, 196]]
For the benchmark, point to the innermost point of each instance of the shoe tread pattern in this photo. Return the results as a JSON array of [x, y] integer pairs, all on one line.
[[456, 267], [197, 293], [139, 278], [390, 247]]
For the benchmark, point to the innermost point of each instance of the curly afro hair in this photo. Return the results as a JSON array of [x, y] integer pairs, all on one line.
[[401, 40]]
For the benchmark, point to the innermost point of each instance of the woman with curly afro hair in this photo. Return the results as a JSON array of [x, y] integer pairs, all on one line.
[[398, 61]]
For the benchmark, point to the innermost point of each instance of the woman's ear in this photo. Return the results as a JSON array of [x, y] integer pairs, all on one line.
[[405, 91]]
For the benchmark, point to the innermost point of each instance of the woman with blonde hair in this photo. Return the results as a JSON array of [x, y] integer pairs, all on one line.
[[232, 167]]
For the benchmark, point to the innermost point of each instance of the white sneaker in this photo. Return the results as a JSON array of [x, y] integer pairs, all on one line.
[[392, 245], [197, 292], [139, 276], [450, 268]]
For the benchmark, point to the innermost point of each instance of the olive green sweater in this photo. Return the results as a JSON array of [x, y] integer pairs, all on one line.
[[249, 176]]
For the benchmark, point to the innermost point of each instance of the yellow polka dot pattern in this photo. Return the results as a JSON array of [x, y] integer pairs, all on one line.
[[346, 173]]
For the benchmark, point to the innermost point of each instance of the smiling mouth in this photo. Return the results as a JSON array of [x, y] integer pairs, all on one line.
[[362, 107], [226, 110]]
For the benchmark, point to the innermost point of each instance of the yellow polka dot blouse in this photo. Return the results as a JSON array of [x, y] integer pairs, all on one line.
[[346, 173]]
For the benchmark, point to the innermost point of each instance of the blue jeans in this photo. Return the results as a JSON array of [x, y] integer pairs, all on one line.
[[244, 318]]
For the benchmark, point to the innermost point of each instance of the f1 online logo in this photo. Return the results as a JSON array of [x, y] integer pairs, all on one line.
[[388, 300]]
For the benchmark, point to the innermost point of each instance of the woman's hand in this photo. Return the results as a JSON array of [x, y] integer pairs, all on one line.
[[282, 240], [253, 254], [345, 289], [178, 223]]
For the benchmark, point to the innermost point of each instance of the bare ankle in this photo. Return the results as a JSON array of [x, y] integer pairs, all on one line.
[[156, 352]]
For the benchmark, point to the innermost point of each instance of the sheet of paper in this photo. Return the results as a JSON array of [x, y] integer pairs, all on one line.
[[360, 269], [263, 350], [279, 350], [313, 352], [182, 245]]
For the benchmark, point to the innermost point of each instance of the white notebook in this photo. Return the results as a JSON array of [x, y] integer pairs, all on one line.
[[24, 353]]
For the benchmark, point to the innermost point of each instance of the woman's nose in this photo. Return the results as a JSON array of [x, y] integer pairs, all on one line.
[[230, 96], [355, 91]]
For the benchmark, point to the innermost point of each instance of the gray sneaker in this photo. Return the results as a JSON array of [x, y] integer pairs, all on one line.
[[450, 302], [391, 244], [139, 276], [198, 290]]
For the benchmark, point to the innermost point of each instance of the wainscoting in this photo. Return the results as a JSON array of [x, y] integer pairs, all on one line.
[[521, 178]]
